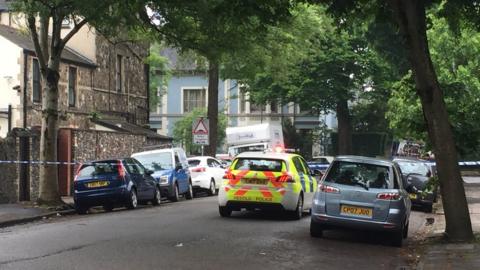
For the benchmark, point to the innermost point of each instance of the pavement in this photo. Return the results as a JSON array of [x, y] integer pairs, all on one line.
[[440, 255], [23, 212]]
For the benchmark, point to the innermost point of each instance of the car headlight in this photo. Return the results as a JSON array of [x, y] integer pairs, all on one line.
[[163, 179]]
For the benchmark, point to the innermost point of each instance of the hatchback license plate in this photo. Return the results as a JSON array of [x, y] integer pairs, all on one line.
[[255, 181], [97, 184], [356, 211]]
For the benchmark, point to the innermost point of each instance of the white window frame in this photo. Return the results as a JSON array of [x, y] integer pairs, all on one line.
[[182, 109]]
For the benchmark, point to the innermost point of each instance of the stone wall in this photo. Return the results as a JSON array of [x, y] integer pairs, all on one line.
[[8, 172]]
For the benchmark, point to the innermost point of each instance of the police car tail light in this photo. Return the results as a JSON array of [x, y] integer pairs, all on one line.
[[388, 196], [286, 178], [228, 175], [199, 169], [328, 189]]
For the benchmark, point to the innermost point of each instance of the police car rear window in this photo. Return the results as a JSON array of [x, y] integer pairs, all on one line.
[[257, 164]]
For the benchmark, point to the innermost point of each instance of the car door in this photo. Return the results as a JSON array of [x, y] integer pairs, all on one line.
[[304, 180], [181, 174], [219, 172], [312, 181], [137, 178], [147, 180]]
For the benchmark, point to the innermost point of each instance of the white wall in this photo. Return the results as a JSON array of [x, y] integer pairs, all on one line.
[[83, 42], [10, 74]]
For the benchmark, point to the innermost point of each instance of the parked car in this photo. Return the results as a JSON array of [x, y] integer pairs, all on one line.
[[170, 169], [267, 181], [320, 163], [207, 173], [418, 173], [362, 193], [112, 183]]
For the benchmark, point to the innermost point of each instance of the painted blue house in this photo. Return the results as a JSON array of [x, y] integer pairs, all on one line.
[[187, 90]]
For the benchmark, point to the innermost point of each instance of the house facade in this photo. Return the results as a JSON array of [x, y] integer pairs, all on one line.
[[99, 78], [187, 90]]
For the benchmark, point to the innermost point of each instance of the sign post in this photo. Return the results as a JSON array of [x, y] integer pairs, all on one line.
[[200, 132]]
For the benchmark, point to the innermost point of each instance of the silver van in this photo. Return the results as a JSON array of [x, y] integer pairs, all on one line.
[[362, 193]]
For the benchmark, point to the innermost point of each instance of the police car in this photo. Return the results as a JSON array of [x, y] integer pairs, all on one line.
[[267, 181]]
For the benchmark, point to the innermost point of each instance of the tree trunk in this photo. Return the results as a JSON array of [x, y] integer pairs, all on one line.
[[344, 128], [49, 193], [212, 112], [410, 15]]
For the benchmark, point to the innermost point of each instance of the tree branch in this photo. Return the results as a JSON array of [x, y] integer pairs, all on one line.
[[72, 32], [31, 21]]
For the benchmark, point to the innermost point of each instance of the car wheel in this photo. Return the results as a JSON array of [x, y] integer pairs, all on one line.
[[212, 190], [224, 211], [175, 196], [132, 200], [157, 198], [189, 194], [316, 229], [297, 214], [405, 231], [108, 207], [397, 237], [428, 208], [81, 210]]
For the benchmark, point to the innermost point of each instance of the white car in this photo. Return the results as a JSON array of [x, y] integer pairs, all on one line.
[[207, 173]]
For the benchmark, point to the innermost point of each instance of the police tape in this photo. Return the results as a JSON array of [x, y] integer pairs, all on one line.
[[39, 162]]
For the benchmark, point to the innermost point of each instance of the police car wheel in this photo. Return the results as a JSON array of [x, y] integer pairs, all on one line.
[[297, 214], [224, 211]]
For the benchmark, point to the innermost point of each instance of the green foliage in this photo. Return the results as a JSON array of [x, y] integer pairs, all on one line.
[[182, 132], [160, 74], [456, 61]]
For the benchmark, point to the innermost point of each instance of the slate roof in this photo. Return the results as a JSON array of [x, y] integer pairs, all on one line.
[[176, 62], [4, 6], [24, 41], [124, 126]]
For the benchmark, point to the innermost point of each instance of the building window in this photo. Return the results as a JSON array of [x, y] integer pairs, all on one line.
[[274, 107], [36, 82], [119, 74], [194, 98], [243, 99], [72, 86]]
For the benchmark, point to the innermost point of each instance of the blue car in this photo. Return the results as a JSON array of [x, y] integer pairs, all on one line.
[[112, 183], [170, 170]]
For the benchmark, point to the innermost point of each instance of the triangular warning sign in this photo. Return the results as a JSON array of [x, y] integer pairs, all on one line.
[[200, 128]]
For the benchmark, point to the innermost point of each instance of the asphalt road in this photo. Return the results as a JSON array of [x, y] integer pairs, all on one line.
[[191, 235]]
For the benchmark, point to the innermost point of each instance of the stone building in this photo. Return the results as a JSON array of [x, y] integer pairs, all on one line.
[[103, 103]]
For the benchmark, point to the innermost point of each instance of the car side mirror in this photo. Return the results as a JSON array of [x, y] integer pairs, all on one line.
[[149, 172], [178, 167]]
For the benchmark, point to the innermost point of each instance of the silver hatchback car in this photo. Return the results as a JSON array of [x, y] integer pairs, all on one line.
[[362, 193]]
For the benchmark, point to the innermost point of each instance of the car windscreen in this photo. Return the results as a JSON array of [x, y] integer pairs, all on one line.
[[259, 164], [408, 167], [99, 168], [359, 174], [193, 162], [156, 161]]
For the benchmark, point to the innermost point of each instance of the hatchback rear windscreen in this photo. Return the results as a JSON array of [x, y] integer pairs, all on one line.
[[99, 168], [359, 174], [257, 164], [193, 162]]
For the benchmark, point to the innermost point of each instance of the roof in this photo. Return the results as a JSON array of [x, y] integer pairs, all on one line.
[[362, 159], [124, 126], [4, 6], [156, 151], [267, 155], [177, 62], [24, 41]]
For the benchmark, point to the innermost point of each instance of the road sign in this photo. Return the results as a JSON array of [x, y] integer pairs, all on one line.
[[200, 131]]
